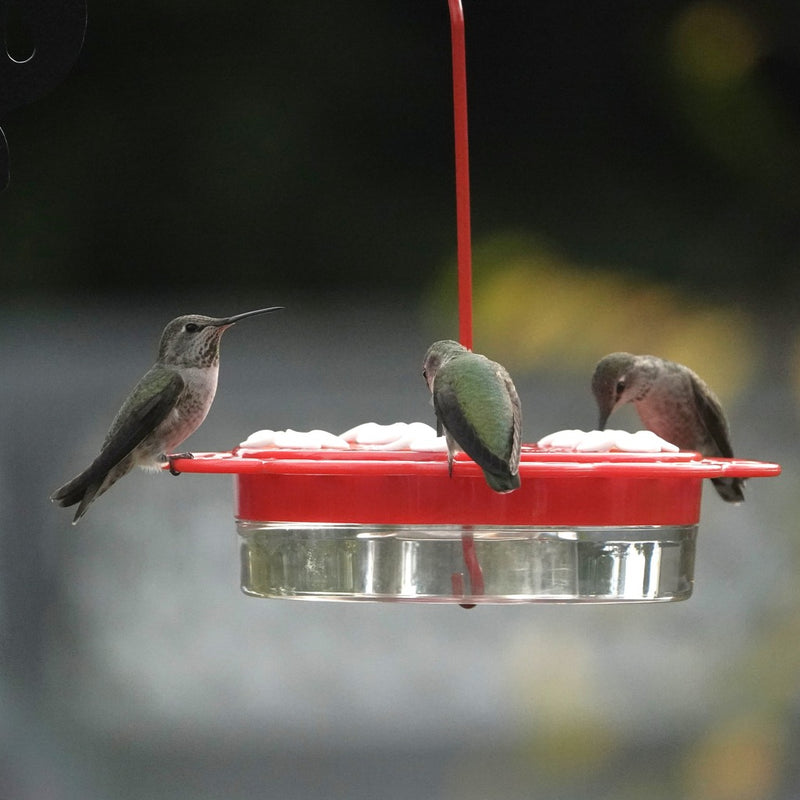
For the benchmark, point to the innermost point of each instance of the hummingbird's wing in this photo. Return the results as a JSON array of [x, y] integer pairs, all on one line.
[[712, 416], [451, 413], [148, 405], [151, 400], [516, 412]]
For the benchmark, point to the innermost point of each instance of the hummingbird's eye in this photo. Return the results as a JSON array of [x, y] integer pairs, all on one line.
[[191, 327], [620, 386]]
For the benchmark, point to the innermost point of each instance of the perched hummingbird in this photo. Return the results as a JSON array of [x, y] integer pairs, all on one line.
[[167, 405], [478, 408], [673, 402]]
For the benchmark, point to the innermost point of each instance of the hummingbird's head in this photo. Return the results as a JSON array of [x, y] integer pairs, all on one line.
[[617, 380], [193, 340], [439, 353]]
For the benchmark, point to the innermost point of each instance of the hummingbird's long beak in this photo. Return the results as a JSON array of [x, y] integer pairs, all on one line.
[[604, 415], [230, 320]]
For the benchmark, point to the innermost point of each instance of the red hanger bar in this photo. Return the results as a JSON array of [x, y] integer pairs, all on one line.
[[462, 174]]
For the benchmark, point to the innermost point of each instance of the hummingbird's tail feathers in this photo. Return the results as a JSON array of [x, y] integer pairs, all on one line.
[[496, 470], [99, 476], [82, 489], [730, 489], [88, 498], [502, 482], [70, 493]]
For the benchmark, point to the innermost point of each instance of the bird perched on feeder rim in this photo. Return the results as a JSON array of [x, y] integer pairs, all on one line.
[[478, 409], [673, 402], [166, 406]]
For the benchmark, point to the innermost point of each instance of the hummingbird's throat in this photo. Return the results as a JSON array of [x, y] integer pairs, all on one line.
[[209, 351]]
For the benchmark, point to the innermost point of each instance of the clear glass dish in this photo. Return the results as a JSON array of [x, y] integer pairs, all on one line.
[[467, 564]]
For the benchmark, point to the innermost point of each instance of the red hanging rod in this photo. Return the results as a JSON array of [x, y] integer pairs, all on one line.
[[462, 174]]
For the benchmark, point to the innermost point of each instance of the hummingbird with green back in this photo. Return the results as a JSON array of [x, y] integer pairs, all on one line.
[[165, 407], [673, 402], [478, 409]]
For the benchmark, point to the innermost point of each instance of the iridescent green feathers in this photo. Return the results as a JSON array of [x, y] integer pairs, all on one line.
[[478, 409]]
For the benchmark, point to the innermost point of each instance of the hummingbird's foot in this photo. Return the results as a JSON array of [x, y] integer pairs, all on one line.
[[175, 457]]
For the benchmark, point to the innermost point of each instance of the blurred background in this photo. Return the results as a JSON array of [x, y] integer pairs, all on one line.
[[636, 186]]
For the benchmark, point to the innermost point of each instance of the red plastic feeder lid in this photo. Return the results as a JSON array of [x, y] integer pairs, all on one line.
[[402, 487]]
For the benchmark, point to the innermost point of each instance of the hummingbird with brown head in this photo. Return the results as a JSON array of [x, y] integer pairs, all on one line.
[[673, 402], [478, 409], [166, 406]]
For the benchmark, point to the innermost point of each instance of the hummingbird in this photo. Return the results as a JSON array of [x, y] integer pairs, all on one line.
[[166, 406], [673, 402], [478, 409]]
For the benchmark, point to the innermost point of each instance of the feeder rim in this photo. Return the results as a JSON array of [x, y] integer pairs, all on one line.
[[533, 463]]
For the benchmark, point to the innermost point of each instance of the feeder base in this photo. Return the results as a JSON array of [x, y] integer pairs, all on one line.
[[467, 564]]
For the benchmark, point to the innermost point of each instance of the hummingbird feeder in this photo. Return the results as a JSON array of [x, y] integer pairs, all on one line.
[[393, 525]]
